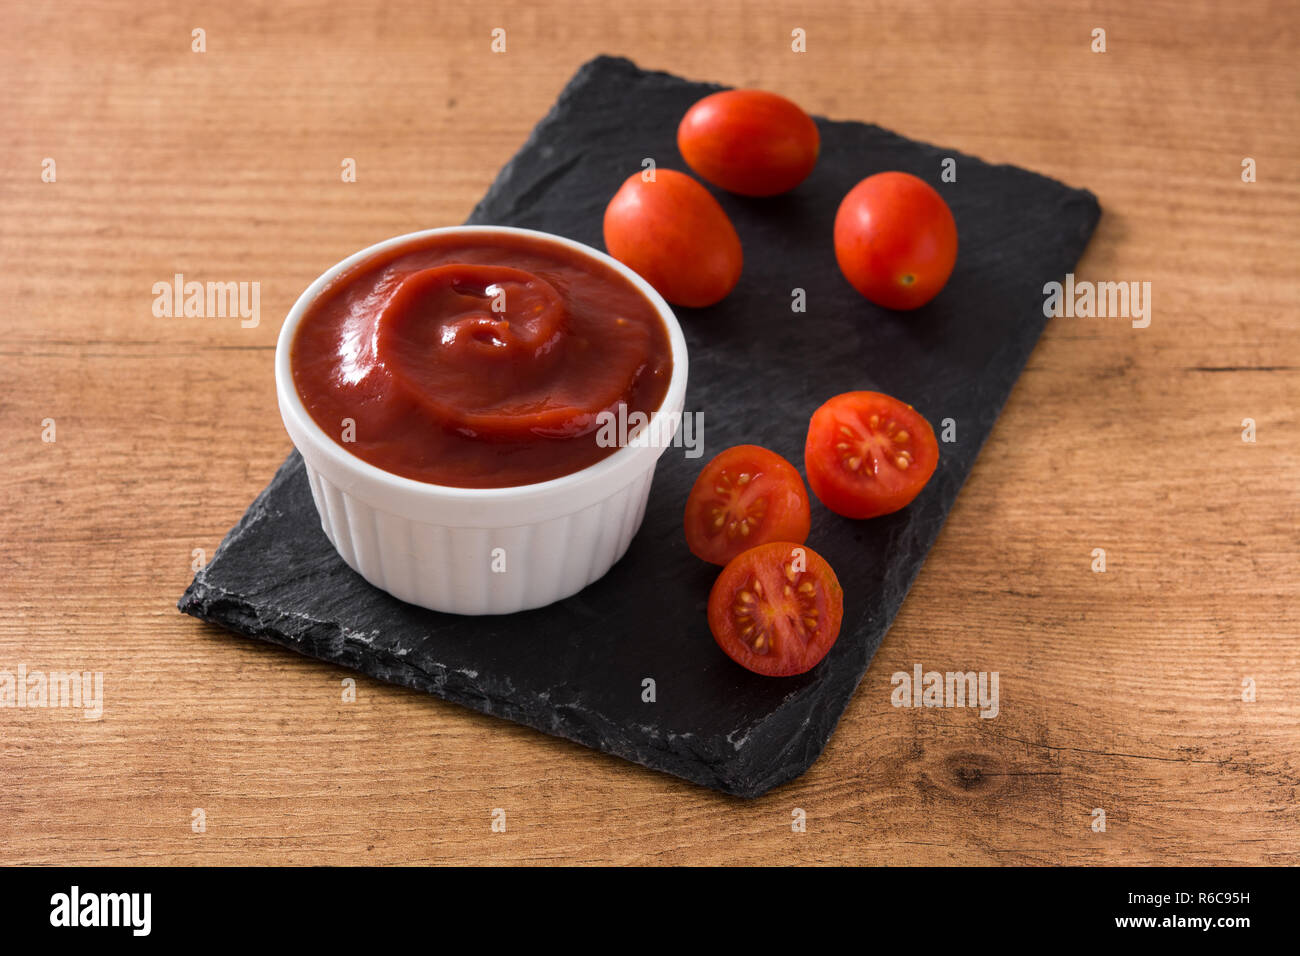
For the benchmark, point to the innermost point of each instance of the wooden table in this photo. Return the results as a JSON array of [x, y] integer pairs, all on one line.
[[1120, 690]]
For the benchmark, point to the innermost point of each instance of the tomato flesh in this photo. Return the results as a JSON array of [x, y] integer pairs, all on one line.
[[745, 496], [895, 240], [749, 142], [776, 609], [672, 232], [868, 454]]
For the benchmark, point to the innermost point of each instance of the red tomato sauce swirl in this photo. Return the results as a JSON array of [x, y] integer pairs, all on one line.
[[478, 360]]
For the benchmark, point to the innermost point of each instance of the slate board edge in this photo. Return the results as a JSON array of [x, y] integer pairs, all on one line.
[[307, 636], [200, 600], [589, 71]]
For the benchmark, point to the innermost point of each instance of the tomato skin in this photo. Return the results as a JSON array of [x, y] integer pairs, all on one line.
[[771, 619], [746, 496], [868, 454], [675, 235], [895, 240], [749, 142]]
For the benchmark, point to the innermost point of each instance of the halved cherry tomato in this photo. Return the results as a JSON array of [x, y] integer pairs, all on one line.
[[749, 142], [868, 454], [674, 233], [776, 609], [895, 240], [745, 496]]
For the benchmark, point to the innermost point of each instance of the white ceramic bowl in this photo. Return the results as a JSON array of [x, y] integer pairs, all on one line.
[[436, 546]]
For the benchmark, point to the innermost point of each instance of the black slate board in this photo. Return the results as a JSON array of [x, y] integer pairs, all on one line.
[[758, 370]]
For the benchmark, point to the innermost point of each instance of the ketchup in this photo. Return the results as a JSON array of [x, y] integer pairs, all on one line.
[[479, 360]]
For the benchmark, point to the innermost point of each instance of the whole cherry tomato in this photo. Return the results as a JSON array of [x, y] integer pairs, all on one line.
[[896, 240], [749, 142], [672, 232]]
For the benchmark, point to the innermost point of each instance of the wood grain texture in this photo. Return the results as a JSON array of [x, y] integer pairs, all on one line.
[[1120, 690]]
